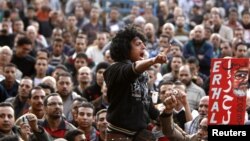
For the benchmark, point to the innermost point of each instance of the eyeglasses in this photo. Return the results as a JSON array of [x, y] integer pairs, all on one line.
[[54, 104], [241, 75], [6, 53]]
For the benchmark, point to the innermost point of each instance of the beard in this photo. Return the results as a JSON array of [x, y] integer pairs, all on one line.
[[149, 35], [56, 115], [179, 25], [4, 31]]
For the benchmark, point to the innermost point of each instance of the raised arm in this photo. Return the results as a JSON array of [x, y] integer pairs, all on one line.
[[169, 128], [143, 65]]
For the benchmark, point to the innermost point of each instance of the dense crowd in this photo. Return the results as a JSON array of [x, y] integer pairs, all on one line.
[[54, 54]]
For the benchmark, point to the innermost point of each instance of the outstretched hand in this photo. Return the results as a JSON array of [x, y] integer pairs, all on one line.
[[160, 58]]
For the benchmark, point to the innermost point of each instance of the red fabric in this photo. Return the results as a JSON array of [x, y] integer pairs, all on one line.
[[163, 139], [42, 16], [58, 133], [227, 102]]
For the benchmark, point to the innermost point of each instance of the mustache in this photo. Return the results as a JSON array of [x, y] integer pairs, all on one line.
[[243, 84]]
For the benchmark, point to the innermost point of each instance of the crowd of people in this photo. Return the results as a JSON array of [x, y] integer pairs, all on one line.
[[77, 71]]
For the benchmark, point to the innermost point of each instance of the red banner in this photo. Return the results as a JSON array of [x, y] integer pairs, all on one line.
[[227, 94]]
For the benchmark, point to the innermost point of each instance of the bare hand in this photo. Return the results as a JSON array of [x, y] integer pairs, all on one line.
[[160, 58], [170, 102], [32, 119], [183, 97]]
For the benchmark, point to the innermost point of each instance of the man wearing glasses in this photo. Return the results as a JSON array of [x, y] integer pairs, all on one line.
[[240, 83], [54, 123]]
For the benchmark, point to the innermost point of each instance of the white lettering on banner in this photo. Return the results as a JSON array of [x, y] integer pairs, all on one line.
[[216, 79], [226, 98], [212, 119], [216, 93], [229, 78], [228, 118], [215, 107], [216, 66]]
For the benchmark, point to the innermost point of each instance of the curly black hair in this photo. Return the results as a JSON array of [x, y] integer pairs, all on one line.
[[121, 43]]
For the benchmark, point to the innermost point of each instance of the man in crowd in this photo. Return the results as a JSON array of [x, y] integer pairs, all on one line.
[[20, 102]]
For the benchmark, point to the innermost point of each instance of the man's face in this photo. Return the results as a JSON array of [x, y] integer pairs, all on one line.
[[57, 72], [71, 21], [85, 117], [203, 106], [185, 76], [246, 18], [79, 12], [241, 79], [64, 86], [102, 122], [80, 62], [198, 33], [239, 34], [23, 50], [216, 19], [176, 63], [32, 34], [104, 89], [226, 50], [164, 90], [203, 131], [94, 13], [84, 75], [57, 48], [241, 51], [102, 40], [36, 100], [41, 66], [42, 54], [175, 50], [80, 44], [215, 40], [25, 88], [149, 31], [193, 68], [107, 57], [5, 56], [5, 28], [18, 26], [114, 14], [7, 119], [163, 42], [74, 108], [152, 77], [99, 76], [168, 31], [180, 21], [10, 74], [54, 108]]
